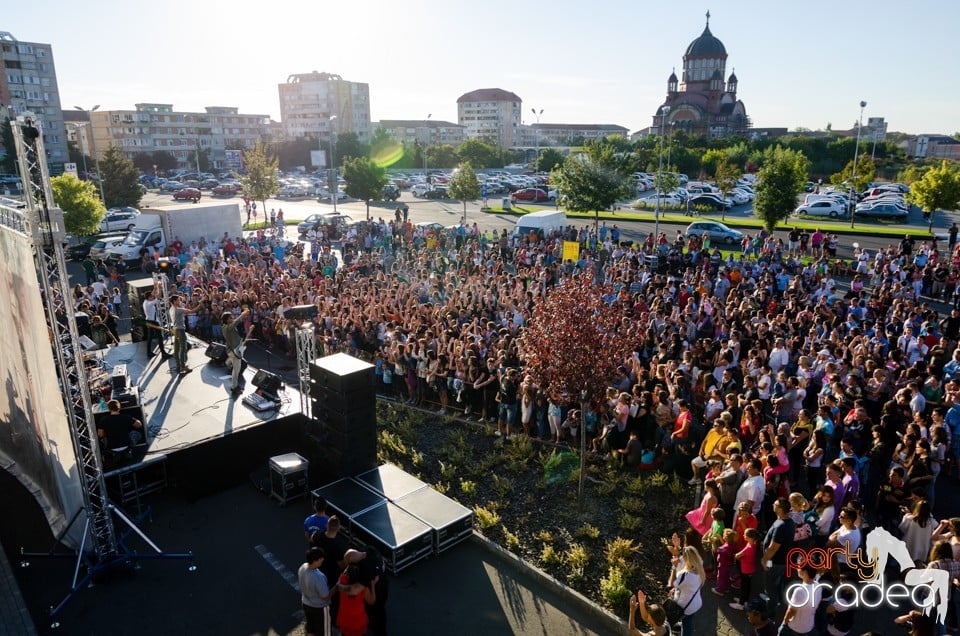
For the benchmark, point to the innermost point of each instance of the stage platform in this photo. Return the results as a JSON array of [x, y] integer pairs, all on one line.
[[197, 435]]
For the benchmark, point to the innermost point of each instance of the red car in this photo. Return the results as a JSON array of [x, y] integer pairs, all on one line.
[[225, 190], [187, 194], [534, 195]]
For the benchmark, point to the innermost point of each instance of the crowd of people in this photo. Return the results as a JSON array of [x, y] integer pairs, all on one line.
[[813, 398]]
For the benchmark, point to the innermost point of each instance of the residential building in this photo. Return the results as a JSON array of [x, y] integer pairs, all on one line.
[[492, 114], [158, 127], [426, 132], [29, 83], [567, 134], [700, 103], [316, 105]]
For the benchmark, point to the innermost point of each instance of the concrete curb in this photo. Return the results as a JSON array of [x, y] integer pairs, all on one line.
[[613, 622]]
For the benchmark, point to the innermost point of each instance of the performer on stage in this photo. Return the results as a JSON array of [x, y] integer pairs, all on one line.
[[180, 332], [234, 341], [153, 325]]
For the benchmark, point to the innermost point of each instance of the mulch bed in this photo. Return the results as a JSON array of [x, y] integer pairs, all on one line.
[[539, 521]]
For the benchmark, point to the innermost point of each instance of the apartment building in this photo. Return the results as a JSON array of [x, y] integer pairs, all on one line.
[[426, 132], [492, 114], [316, 105], [155, 127], [567, 134], [29, 83]]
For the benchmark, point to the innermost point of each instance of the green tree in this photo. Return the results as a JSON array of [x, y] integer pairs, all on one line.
[[726, 175], [587, 186], [912, 173], [464, 186], [163, 160], [121, 185], [365, 180], [75, 156], [263, 179], [781, 179], [82, 209], [711, 159], [866, 171], [349, 146], [8, 163], [666, 181], [939, 189], [443, 156], [479, 153], [549, 159], [142, 160]]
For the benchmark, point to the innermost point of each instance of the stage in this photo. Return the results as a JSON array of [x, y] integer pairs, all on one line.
[[197, 435]]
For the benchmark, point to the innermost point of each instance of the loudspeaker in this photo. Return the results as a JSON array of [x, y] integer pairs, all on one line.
[[216, 352], [342, 373], [267, 381], [300, 312], [119, 378], [361, 420], [343, 402]]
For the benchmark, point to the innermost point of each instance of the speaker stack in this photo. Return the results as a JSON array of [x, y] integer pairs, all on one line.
[[343, 430]]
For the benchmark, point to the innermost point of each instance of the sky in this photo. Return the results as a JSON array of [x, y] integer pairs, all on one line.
[[603, 62]]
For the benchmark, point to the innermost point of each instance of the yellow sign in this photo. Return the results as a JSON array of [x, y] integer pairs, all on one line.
[[571, 251]]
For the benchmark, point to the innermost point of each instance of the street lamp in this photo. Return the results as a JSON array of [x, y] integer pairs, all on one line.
[[664, 111], [537, 133], [426, 145], [853, 178], [93, 142], [334, 185]]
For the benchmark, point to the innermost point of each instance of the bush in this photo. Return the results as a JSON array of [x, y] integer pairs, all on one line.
[[577, 557], [486, 518], [511, 540], [549, 556], [614, 590], [587, 531], [619, 551], [467, 487]]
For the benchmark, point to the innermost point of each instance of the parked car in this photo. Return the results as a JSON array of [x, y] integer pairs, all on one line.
[[420, 190], [882, 211], [390, 192], [534, 195], [667, 199], [119, 219], [324, 195], [437, 192], [209, 184], [187, 194], [825, 207], [225, 190], [711, 201], [171, 186], [76, 248], [104, 243], [718, 232], [293, 191]]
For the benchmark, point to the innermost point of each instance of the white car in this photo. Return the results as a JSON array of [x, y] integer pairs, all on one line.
[[746, 192], [118, 219], [104, 244], [832, 209], [667, 199], [420, 190], [739, 198]]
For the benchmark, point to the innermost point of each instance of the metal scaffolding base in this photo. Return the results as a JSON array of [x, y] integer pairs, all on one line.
[[96, 569]]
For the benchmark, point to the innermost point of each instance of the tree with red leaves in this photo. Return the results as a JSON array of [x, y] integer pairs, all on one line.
[[577, 337]]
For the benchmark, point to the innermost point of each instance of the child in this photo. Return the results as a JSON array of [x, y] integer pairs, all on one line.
[[748, 566], [726, 560], [713, 538], [652, 614]]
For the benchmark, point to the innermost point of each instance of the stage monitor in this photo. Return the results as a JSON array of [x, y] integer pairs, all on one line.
[[300, 312], [267, 381], [216, 352]]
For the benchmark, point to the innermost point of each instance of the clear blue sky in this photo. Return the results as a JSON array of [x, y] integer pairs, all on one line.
[[581, 62]]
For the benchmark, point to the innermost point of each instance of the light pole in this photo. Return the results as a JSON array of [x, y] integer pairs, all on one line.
[[425, 146], [853, 178], [334, 184], [537, 133], [196, 147], [93, 143], [664, 111]]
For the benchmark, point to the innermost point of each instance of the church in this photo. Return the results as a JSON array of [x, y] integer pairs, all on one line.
[[701, 104]]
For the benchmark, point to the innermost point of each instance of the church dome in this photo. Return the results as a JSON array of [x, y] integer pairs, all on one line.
[[706, 46]]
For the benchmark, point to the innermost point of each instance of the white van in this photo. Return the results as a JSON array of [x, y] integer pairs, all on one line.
[[543, 223]]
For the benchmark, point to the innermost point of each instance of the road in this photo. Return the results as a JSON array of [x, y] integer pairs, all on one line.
[[451, 212]]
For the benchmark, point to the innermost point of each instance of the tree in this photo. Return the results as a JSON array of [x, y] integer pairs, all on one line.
[[77, 157], [549, 159], [365, 180], [120, 179], [164, 160], [464, 186], [263, 178], [349, 146], [588, 187], [479, 153], [443, 156], [82, 209], [781, 179], [726, 176], [576, 339], [939, 189], [866, 171]]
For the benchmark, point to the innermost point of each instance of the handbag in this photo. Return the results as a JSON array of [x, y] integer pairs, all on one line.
[[674, 610]]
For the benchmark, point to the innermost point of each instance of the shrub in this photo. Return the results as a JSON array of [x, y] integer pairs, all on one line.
[[631, 505], [636, 486], [577, 557], [676, 487], [442, 487], [630, 522], [447, 471], [486, 518], [613, 588], [619, 551], [467, 487], [606, 488], [502, 485], [545, 536], [659, 479], [587, 531], [511, 540], [549, 556]]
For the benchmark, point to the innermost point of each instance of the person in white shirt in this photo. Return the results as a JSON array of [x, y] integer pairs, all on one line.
[[752, 489], [779, 356], [802, 601], [687, 585]]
